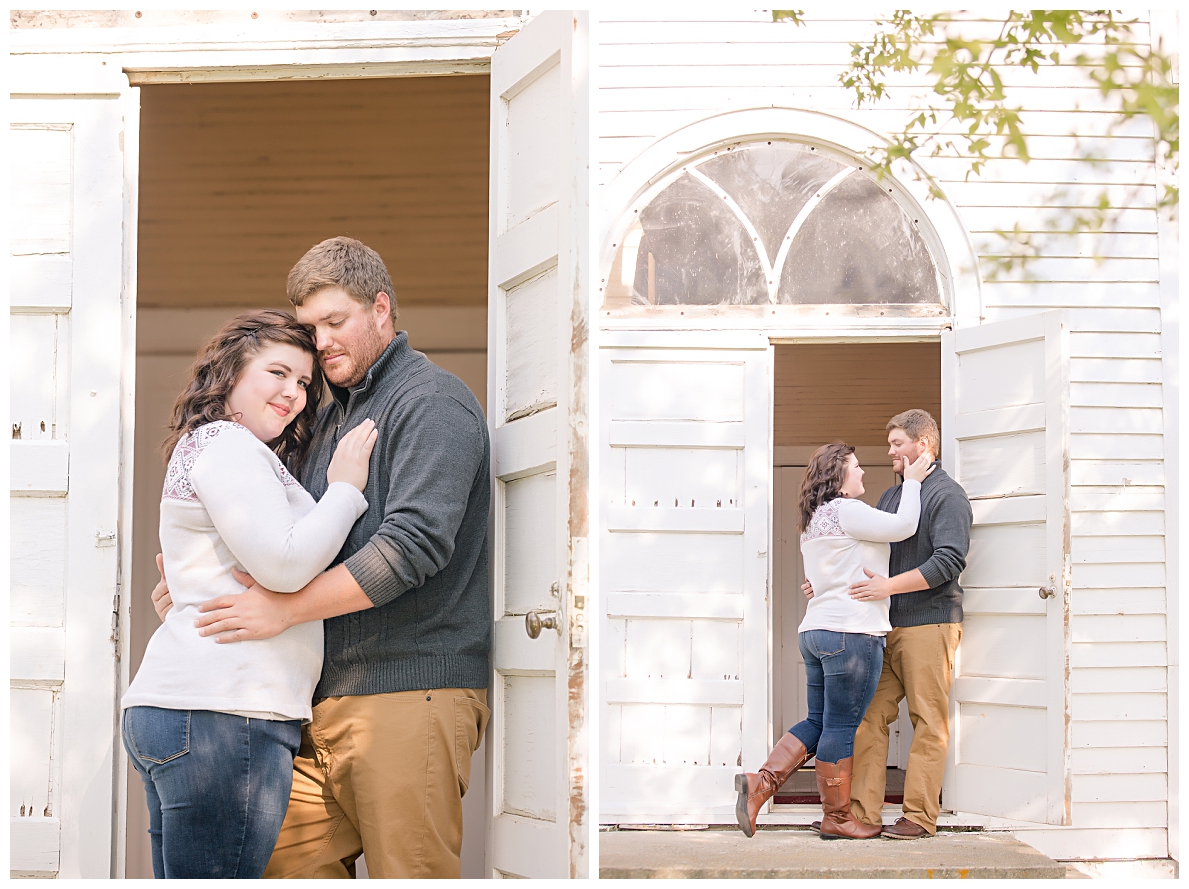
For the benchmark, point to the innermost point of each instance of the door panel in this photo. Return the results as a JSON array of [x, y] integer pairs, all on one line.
[[537, 397], [67, 292], [684, 556], [1006, 442]]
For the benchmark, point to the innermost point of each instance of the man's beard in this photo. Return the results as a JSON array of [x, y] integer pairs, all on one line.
[[362, 356]]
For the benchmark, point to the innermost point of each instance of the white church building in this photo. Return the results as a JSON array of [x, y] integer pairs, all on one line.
[[653, 245]]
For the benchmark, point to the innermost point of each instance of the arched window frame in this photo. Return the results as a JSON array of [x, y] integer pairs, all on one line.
[[645, 176]]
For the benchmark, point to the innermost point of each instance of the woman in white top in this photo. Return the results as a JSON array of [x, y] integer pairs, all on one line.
[[213, 729], [841, 639]]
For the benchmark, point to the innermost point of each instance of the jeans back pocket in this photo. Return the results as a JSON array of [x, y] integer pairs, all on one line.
[[826, 643], [157, 735]]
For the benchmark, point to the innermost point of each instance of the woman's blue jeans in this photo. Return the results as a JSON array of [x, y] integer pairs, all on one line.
[[841, 673], [217, 787]]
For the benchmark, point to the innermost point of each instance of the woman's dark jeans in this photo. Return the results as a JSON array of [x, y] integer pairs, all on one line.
[[217, 787], [841, 673]]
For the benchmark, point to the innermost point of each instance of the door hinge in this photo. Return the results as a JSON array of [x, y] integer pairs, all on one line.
[[105, 538], [115, 622]]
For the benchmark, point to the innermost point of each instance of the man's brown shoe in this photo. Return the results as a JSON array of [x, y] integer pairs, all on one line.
[[904, 829], [756, 788]]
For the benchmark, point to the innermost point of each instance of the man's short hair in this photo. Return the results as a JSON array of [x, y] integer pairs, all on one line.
[[920, 426], [340, 262]]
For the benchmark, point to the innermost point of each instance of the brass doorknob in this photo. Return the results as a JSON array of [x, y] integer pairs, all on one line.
[[1047, 592], [534, 622]]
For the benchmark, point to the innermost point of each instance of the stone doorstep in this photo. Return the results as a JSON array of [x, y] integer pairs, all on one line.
[[802, 854]]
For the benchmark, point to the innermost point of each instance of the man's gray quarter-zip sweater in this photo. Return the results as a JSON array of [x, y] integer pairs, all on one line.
[[420, 550], [938, 548]]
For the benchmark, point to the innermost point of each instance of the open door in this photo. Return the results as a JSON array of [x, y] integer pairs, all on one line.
[[537, 405], [1005, 418], [72, 166], [685, 467]]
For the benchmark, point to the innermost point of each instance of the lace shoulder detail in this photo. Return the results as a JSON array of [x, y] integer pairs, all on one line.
[[285, 474], [825, 522], [177, 476]]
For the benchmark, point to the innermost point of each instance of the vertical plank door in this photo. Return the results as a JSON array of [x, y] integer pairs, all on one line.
[[685, 428], [1005, 409], [537, 403], [68, 367]]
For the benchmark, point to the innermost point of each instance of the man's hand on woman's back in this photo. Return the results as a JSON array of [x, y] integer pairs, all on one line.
[[161, 598]]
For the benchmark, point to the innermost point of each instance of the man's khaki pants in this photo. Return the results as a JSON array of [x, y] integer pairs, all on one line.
[[382, 774], [918, 665]]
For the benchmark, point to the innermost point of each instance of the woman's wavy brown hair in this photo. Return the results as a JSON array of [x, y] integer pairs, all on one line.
[[218, 367], [824, 478]]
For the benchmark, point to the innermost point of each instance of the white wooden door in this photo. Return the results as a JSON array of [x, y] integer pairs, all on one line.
[[1005, 410], [537, 404], [685, 471], [69, 359]]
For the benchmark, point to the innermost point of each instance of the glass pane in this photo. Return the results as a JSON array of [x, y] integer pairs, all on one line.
[[858, 246], [771, 183], [692, 251], [688, 247]]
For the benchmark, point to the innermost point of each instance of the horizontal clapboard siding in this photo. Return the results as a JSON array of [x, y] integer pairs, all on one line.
[[845, 388], [223, 162], [657, 76]]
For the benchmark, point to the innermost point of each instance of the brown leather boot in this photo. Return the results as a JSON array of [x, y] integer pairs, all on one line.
[[833, 785], [756, 788]]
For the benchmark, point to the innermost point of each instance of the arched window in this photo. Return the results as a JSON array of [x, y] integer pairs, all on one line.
[[773, 223]]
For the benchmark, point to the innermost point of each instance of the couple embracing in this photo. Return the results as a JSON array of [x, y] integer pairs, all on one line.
[[883, 624], [318, 684]]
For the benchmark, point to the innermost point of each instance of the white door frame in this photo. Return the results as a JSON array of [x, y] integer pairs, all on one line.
[[227, 52], [942, 229], [122, 59]]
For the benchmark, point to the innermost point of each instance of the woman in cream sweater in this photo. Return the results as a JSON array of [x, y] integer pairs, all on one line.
[[213, 729], [841, 639]]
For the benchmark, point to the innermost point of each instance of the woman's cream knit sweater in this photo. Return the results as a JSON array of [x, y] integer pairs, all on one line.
[[229, 502], [844, 537]]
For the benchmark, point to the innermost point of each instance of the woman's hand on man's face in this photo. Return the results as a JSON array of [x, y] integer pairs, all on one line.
[[920, 468]]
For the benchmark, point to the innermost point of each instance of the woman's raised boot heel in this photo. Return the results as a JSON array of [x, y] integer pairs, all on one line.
[[756, 788]]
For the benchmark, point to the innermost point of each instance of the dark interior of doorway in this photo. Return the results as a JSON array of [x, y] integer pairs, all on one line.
[[834, 392], [236, 182]]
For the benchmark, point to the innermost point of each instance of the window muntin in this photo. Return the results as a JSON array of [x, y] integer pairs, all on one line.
[[694, 250], [773, 223], [771, 183]]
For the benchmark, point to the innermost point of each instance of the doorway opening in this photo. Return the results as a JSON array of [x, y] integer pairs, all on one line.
[[236, 182], [823, 393]]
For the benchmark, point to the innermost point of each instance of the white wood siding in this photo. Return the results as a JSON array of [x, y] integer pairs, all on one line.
[[234, 177], [657, 76]]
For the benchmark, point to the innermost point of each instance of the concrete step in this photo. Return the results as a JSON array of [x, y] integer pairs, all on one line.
[[802, 854]]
